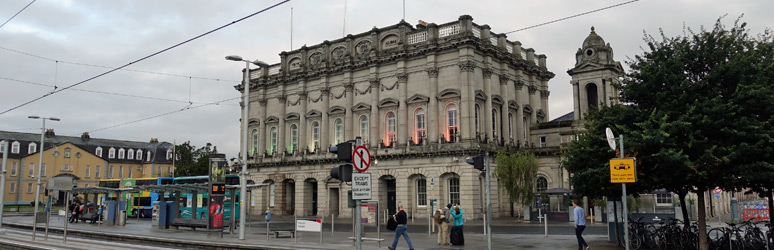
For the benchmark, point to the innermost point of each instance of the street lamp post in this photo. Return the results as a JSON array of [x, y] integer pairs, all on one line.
[[40, 166], [243, 174]]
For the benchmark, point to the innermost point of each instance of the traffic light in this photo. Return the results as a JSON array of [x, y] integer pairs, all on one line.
[[343, 151], [342, 172], [476, 161]]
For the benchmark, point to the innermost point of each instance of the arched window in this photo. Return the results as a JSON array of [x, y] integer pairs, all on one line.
[[130, 155], [510, 126], [149, 156], [98, 152], [420, 132], [421, 185], [15, 147], [591, 95], [364, 128], [454, 190], [121, 153], [494, 123], [139, 154], [315, 135], [2, 146], [452, 120], [254, 147], [169, 154], [112, 153], [391, 135], [273, 142], [339, 130], [541, 184], [477, 115], [293, 138]]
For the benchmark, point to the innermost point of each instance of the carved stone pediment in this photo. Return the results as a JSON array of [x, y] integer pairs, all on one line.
[[388, 102], [291, 116], [448, 93], [313, 113], [361, 107], [336, 110], [417, 98], [480, 95], [271, 119]]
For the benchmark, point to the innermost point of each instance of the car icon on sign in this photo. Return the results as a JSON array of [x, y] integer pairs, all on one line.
[[621, 167]]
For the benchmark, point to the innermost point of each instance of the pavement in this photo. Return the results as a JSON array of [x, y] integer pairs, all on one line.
[[507, 234]]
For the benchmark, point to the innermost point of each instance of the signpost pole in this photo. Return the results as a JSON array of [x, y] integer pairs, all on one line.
[[623, 199], [488, 207], [358, 242]]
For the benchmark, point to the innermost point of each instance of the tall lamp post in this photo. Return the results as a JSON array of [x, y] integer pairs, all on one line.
[[243, 174], [40, 166]]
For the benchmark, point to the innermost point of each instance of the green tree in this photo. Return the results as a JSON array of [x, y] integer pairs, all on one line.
[[191, 161], [517, 173], [700, 110]]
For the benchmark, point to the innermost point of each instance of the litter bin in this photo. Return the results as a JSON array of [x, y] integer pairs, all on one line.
[[122, 218]]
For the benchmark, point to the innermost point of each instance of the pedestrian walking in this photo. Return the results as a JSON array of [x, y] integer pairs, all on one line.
[[402, 229], [457, 236], [72, 211], [580, 225]]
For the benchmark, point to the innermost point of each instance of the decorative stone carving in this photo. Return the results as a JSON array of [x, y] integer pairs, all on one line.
[[262, 101], [367, 90], [315, 60], [394, 86], [374, 82], [544, 94], [363, 48], [432, 72], [282, 98], [467, 66], [519, 84], [343, 94], [532, 89], [504, 80], [402, 77], [487, 73], [349, 87], [339, 55]]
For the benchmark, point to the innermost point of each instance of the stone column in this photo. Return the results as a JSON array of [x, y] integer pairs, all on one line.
[[544, 101], [466, 101], [281, 130], [485, 114], [324, 133], [348, 86], [533, 101], [302, 126], [575, 101], [503, 124], [403, 112], [302, 194], [519, 117], [262, 130], [375, 136], [432, 106]]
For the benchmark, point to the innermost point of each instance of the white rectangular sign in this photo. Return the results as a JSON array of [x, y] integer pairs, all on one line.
[[308, 226], [361, 186]]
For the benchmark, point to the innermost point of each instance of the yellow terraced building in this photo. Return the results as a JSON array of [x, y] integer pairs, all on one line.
[[84, 159]]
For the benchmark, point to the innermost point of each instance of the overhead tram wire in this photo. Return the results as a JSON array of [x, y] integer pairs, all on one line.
[[108, 67], [110, 93], [146, 57], [187, 107], [573, 16], [17, 13]]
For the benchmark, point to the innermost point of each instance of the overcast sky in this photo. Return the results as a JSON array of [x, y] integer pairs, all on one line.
[[112, 33]]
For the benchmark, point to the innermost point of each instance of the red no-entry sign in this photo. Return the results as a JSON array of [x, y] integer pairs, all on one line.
[[361, 158]]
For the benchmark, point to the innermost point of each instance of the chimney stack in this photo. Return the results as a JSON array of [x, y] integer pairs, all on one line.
[[85, 136]]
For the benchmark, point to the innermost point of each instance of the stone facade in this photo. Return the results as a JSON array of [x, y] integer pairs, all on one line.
[[422, 99]]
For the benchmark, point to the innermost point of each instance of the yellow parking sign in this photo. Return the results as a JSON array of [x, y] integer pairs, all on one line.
[[623, 170]]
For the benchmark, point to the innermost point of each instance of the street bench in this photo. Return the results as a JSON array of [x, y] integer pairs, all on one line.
[[188, 222], [277, 233]]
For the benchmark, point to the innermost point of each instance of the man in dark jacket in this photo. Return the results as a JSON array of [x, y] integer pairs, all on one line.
[[402, 229]]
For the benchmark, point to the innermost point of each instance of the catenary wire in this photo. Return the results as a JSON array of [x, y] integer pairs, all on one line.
[[188, 107], [573, 16], [109, 93], [17, 13], [108, 67], [145, 57]]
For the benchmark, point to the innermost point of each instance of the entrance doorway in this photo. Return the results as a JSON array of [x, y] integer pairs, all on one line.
[[310, 191], [388, 185], [289, 191]]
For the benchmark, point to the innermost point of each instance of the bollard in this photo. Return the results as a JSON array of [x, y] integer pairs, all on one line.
[[331, 224], [545, 220]]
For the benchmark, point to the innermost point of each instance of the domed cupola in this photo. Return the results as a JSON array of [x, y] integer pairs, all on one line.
[[594, 76]]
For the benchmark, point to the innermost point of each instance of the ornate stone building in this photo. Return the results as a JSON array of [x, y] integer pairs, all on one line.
[[422, 99]]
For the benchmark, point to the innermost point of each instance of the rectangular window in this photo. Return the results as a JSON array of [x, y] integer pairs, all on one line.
[[32, 148], [12, 189], [32, 169], [67, 153], [159, 173], [422, 192], [130, 172], [43, 169], [120, 172], [454, 190], [2, 146], [542, 141], [110, 172], [15, 148], [271, 195], [169, 171], [153, 171], [664, 199], [96, 172], [29, 188], [88, 171], [13, 168]]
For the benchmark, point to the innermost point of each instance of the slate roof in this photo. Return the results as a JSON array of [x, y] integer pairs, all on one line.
[[567, 117], [90, 145]]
